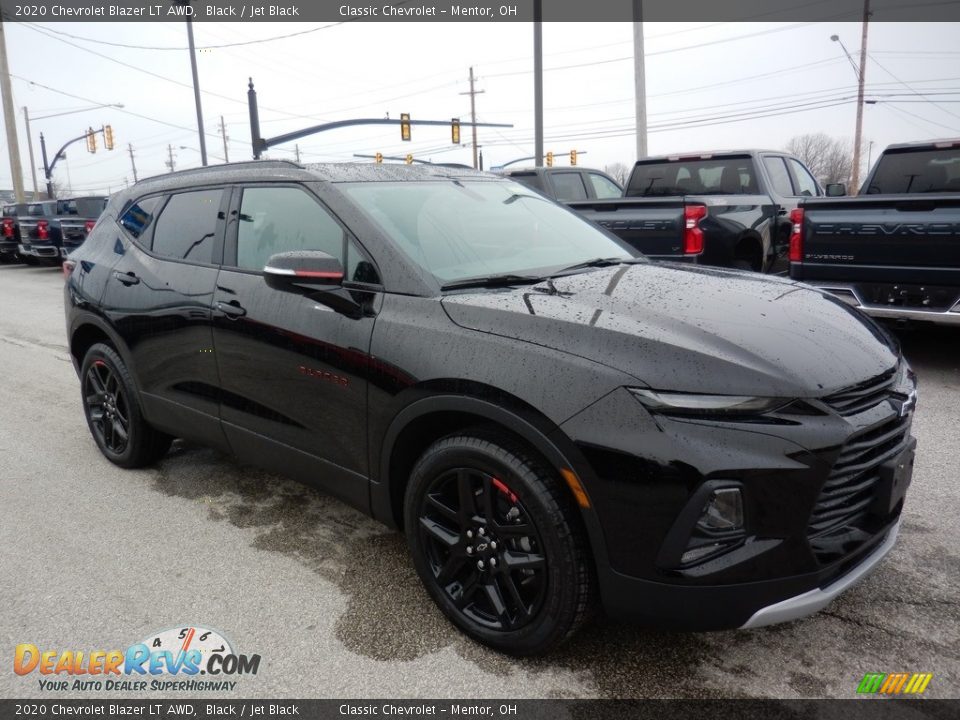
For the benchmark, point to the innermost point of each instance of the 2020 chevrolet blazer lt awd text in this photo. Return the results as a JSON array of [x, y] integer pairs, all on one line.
[[557, 424]]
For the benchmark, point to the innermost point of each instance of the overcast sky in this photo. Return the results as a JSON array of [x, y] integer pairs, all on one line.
[[700, 76]]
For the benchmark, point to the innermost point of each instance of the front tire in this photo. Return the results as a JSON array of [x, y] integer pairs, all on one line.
[[498, 543], [112, 409]]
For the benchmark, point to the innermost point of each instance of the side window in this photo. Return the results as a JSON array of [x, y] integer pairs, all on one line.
[[138, 216], [283, 219], [569, 186], [779, 175], [604, 187], [805, 182], [188, 225]]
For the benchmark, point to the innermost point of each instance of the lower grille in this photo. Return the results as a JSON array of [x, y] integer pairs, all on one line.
[[848, 493]]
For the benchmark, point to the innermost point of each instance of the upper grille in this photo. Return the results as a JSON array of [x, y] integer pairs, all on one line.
[[848, 493], [864, 395]]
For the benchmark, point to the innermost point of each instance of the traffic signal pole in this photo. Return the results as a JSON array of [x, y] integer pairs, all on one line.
[[49, 166]]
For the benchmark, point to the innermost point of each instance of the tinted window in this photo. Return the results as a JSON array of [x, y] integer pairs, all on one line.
[[138, 216], [529, 178], [569, 186], [720, 176], [779, 176], [917, 171], [604, 187], [805, 181], [188, 225], [282, 219]]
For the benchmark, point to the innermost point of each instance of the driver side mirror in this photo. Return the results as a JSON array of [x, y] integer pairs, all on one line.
[[836, 190], [303, 267]]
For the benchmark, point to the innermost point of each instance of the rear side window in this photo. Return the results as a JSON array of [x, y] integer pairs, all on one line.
[[187, 226], [917, 171], [529, 179], [139, 216], [779, 175], [569, 186], [604, 187]]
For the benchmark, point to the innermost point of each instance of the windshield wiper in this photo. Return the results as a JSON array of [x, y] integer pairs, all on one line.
[[518, 196], [493, 281], [597, 262]]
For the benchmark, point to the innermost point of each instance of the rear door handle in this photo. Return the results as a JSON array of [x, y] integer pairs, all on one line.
[[127, 278], [232, 310]]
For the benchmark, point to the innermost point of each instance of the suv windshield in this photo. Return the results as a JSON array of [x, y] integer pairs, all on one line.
[[465, 229]]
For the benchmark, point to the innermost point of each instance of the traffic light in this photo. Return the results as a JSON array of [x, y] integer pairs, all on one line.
[[573, 157], [404, 126], [455, 131], [91, 141], [108, 137], [378, 158], [409, 159], [549, 159]]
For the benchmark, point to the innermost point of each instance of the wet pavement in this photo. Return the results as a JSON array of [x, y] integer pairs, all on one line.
[[96, 558]]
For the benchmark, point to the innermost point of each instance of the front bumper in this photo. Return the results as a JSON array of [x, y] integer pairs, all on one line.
[[849, 294], [815, 600]]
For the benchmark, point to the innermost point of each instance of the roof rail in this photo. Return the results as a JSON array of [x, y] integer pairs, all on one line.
[[226, 166]]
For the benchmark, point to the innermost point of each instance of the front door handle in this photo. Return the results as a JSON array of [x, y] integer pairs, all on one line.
[[232, 310], [127, 278]]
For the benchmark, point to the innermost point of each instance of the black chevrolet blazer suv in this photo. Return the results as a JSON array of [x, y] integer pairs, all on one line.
[[557, 424]]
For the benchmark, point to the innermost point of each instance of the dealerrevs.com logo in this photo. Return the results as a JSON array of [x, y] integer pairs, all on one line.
[[183, 653], [894, 683]]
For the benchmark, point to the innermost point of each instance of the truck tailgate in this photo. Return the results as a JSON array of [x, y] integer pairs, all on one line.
[[654, 227]]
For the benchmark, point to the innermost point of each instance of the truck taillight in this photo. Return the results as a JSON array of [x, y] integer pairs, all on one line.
[[88, 226], [796, 235], [8, 227], [43, 232], [692, 234]]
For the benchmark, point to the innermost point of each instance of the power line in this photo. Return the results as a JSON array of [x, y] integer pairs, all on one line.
[[914, 92]]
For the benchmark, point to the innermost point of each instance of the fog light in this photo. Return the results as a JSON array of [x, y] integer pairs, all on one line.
[[723, 511]]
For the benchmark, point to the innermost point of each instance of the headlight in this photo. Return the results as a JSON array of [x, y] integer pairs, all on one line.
[[674, 403]]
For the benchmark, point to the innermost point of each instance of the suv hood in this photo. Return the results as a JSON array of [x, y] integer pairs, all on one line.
[[691, 329]]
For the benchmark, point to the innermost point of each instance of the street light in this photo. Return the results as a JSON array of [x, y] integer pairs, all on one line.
[[26, 119]]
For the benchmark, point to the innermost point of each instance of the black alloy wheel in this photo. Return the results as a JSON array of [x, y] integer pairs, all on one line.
[[112, 409], [483, 548], [498, 542], [106, 407]]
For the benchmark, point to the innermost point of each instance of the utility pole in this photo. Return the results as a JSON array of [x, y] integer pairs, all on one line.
[[170, 163], [858, 135], [296, 149], [223, 133], [33, 165], [196, 85], [538, 82], [133, 163], [639, 74], [473, 115], [10, 119]]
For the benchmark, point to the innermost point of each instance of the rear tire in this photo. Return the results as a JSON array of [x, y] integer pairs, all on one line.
[[112, 408], [498, 543]]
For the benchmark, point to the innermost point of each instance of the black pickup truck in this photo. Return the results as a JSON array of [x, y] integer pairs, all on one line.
[[894, 250], [52, 229], [729, 209], [10, 231]]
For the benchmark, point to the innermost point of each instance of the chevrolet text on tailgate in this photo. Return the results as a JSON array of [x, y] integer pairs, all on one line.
[[893, 251], [538, 406]]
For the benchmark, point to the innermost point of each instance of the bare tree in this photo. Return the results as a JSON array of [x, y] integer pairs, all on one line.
[[618, 171], [829, 159]]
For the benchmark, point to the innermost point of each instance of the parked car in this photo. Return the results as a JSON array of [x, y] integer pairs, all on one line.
[[567, 183], [554, 421], [893, 251], [727, 209], [53, 228], [10, 231]]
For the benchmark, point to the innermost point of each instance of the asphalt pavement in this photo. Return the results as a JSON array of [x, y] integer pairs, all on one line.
[[97, 558]]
